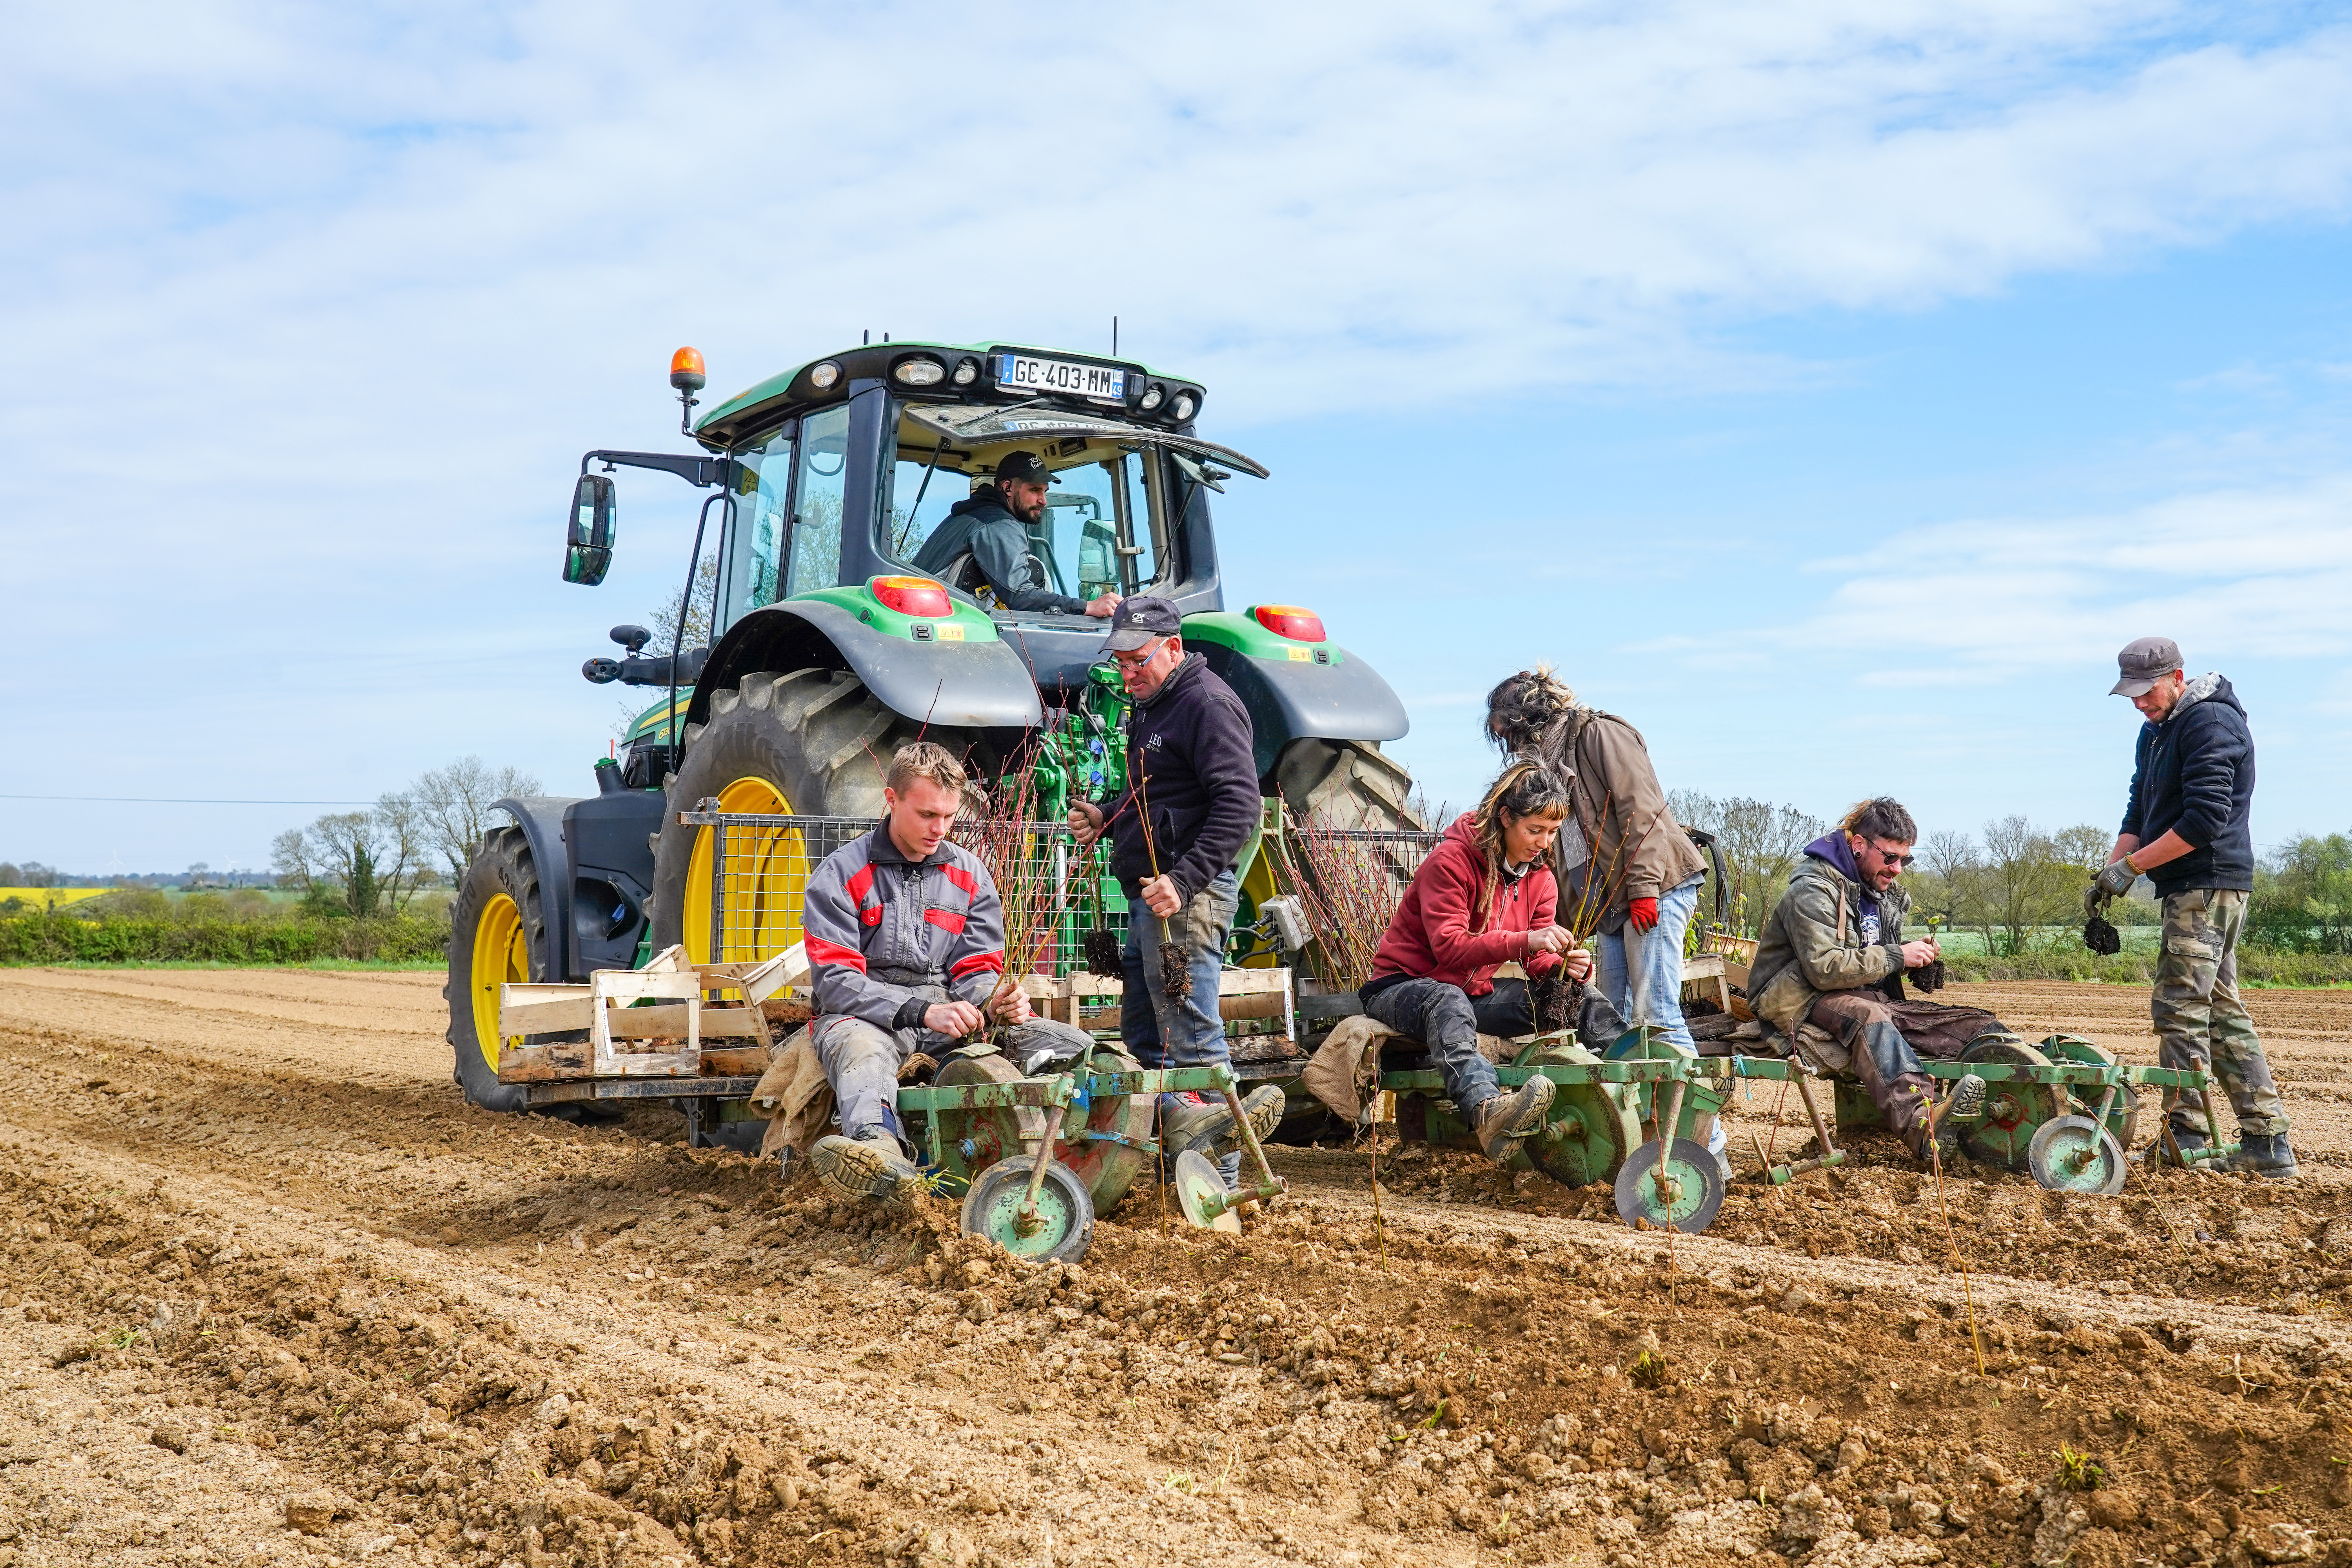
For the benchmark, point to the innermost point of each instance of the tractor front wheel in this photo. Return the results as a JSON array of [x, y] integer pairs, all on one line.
[[815, 742], [497, 935], [1347, 784]]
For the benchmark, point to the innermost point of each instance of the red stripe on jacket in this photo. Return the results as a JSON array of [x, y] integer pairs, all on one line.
[[977, 963], [946, 920], [962, 879], [819, 951]]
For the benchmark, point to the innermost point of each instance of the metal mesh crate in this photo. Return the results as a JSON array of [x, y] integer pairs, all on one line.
[[762, 864]]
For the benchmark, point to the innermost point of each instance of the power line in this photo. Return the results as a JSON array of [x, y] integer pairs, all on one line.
[[175, 800]]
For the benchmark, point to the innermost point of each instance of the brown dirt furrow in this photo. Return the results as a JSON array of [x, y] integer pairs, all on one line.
[[262, 1300]]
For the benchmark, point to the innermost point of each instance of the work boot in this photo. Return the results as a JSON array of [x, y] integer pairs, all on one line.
[[1504, 1121], [873, 1166], [2190, 1144], [1264, 1105], [2263, 1154], [1965, 1103], [1189, 1121]]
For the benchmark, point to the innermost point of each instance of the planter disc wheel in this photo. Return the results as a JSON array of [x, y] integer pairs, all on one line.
[[2124, 1120], [967, 1142], [2013, 1110], [1110, 1161], [2076, 1154], [1586, 1136], [1197, 1180], [1687, 1197], [1065, 1224]]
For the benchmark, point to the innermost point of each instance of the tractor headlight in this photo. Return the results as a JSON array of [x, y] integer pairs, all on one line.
[[823, 376], [1153, 395], [920, 371], [1181, 409], [967, 372]]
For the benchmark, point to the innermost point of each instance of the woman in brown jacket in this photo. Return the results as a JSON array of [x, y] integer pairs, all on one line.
[[1628, 873]]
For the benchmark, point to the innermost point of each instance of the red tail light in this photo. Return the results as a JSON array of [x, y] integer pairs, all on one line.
[[1290, 621], [917, 597]]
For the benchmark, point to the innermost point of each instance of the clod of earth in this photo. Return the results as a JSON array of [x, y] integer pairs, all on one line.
[[1175, 977]]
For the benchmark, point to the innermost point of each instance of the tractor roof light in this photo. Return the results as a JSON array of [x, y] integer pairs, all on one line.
[[1181, 409], [918, 597], [1290, 621], [919, 371], [824, 376], [1153, 395], [967, 371], [686, 370]]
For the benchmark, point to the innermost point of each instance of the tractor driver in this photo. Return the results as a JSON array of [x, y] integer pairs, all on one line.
[[989, 531], [1832, 957]]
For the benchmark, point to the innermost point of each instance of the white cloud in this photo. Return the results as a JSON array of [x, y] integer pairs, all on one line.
[[2251, 573]]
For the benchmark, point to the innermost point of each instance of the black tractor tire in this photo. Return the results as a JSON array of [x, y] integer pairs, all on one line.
[[818, 737], [496, 928], [1349, 783]]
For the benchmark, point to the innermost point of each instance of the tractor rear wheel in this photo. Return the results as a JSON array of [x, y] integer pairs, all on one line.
[[815, 742], [497, 935], [1349, 783]]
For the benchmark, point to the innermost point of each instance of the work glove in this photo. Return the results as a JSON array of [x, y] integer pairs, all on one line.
[[2110, 883], [1644, 913]]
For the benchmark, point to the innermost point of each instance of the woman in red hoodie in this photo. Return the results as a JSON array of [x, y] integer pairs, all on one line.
[[1485, 896]]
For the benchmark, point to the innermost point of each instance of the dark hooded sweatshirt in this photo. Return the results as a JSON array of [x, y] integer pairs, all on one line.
[[2194, 775], [984, 527], [1189, 744]]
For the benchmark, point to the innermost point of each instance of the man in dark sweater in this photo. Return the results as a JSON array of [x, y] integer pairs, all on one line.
[[2187, 829], [991, 527], [1177, 830]]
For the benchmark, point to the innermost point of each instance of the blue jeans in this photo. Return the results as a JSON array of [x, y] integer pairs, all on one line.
[[1163, 1031], [1641, 972]]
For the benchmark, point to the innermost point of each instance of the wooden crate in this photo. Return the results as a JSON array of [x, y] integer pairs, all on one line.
[[607, 1008]]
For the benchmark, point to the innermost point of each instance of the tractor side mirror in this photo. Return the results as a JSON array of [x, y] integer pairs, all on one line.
[[588, 542]]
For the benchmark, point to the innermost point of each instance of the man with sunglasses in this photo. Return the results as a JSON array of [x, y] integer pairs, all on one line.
[[1829, 973], [1190, 803]]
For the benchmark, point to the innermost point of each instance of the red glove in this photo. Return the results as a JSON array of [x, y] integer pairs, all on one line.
[[1643, 912]]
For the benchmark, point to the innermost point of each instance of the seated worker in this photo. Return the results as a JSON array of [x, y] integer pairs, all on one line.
[[991, 527], [904, 936], [1485, 896], [1832, 955]]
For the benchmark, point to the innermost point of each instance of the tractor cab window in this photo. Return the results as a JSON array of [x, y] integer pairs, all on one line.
[[755, 569], [814, 548], [1101, 530]]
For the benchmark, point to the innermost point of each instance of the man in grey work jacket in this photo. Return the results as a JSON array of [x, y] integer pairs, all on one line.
[[991, 526], [905, 938], [2187, 827]]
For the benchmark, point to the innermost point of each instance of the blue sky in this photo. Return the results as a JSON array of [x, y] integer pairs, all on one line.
[[1827, 388]]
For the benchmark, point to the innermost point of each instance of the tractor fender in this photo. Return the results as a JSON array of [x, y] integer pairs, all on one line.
[[541, 817], [1346, 699], [954, 685]]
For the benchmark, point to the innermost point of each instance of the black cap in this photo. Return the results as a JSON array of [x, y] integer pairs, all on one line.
[[1141, 620], [1021, 469]]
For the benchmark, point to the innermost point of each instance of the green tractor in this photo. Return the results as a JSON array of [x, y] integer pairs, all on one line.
[[828, 650]]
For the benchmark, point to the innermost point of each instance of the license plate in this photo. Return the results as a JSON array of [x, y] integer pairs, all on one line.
[[1022, 372]]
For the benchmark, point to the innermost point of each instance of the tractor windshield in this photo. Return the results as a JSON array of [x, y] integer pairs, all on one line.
[[1103, 529]]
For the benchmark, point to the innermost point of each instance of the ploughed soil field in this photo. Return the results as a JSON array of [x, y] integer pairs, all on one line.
[[270, 1293]]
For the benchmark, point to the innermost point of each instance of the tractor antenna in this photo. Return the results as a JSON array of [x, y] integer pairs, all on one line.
[[867, 336], [1113, 337]]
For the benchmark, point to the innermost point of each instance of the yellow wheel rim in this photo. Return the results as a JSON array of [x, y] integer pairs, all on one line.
[[500, 953], [765, 876]]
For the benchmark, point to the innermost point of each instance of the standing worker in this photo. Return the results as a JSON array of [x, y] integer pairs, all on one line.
[[1626, 869], [2187, 828], [1177, 830]]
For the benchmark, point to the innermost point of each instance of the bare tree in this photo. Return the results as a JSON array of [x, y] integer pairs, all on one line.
[[1940, 885], [359, 863], [453, 807], [2026, 883], [1761, 843], [696, 610]]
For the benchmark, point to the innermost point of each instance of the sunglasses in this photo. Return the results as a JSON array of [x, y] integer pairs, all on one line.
[[1892, 858]]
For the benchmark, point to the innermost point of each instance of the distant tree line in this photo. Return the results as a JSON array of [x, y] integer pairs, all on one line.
[[361, 864]]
